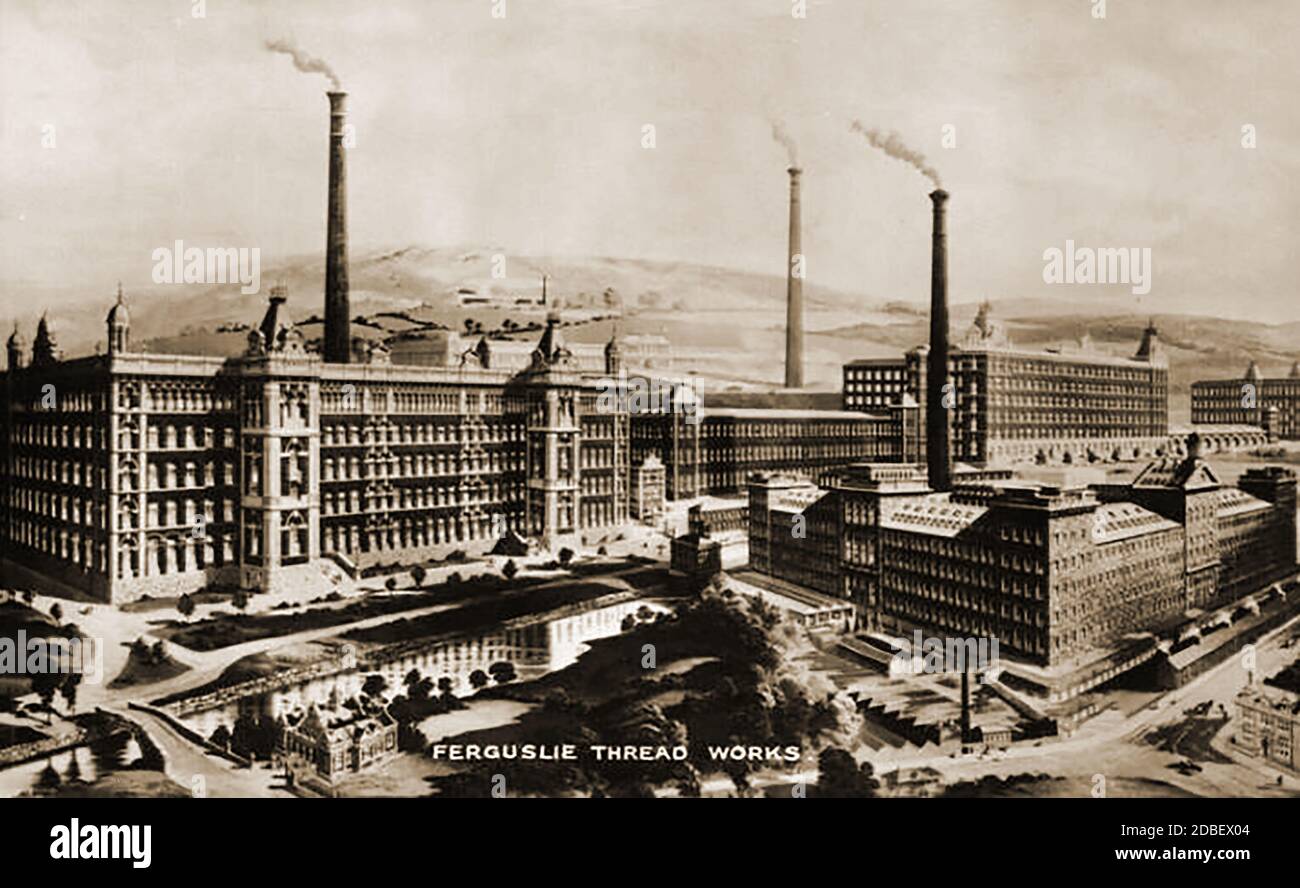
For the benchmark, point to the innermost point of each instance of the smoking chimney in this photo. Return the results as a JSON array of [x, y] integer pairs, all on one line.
[[936, 413], [794, 291], [338, 329], [967, 736]]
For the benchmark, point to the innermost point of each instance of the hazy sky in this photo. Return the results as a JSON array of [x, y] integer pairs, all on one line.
[[526, 132]]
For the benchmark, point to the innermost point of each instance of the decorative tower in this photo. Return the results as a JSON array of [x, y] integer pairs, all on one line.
[[1150, 349], [119, 325], [279, 446], [553, 431], [16, 349], [613, 355], [45, 350]]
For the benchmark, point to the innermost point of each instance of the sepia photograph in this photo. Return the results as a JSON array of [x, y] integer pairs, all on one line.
[[891, 400]]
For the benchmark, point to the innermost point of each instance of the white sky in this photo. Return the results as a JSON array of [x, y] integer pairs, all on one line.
[[525, 132]]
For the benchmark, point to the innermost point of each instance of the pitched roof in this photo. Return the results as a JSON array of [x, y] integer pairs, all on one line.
[[1187, 473], [935, 515], [1113, 522]]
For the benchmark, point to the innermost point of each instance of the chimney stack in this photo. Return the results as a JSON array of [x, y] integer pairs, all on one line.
[[936, 414], [338, 317], [794, 292]]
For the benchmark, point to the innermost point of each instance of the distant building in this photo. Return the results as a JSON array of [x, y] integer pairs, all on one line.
[[1019, 405], [1272, 404], [1268, 719], [718, 517], [649, 351], [647, 490], [334, 746], [716, 450], [128, 474], [695, 561], [1053, 573]]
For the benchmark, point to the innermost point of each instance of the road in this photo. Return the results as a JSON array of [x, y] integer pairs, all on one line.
[[204, 774], [220, 778], [1111, 745]]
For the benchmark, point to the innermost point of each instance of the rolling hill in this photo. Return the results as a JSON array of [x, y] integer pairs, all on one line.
[[726, 324]]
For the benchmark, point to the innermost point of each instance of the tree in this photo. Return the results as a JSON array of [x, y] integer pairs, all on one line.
[[28, 596], [565, 556], [69, 690], [503, 671], [478, 679], [49, 778], [445, 685], [510, 569], [240, 599], [841, 777], [56, 611], [418, 688], [419, 575], [46, 685], [390, 584], [221, 737], [374, 685], [185, 606]]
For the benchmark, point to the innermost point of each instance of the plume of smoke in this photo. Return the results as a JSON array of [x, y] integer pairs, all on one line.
[[303, 62], [786, 141], [893, 145]]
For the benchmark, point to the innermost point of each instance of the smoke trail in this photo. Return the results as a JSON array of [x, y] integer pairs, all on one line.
[[303, 62], [786, 141], [892, 144]]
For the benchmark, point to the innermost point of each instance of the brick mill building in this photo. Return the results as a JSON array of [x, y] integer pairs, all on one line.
[[1063, 576], [1270, 403], [130, 473], [1011, 404]]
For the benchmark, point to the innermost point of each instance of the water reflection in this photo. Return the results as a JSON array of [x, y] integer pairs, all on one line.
[[534, 648], [82, 764]]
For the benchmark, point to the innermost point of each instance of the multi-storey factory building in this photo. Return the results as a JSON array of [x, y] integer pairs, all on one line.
[[129, 473], [1053, 572], [713, 451], [1270, 403], [1010, 404]]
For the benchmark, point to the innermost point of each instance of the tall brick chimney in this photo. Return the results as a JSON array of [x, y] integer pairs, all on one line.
[[794, 292], [938, 459], [338, 328]]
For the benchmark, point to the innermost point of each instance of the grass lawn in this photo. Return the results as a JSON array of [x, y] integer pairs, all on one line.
[[147, 668], [481, 616], [226, 629]]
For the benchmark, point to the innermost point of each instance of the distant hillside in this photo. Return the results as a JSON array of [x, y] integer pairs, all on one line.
[[727, 325], [1198, 347]]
